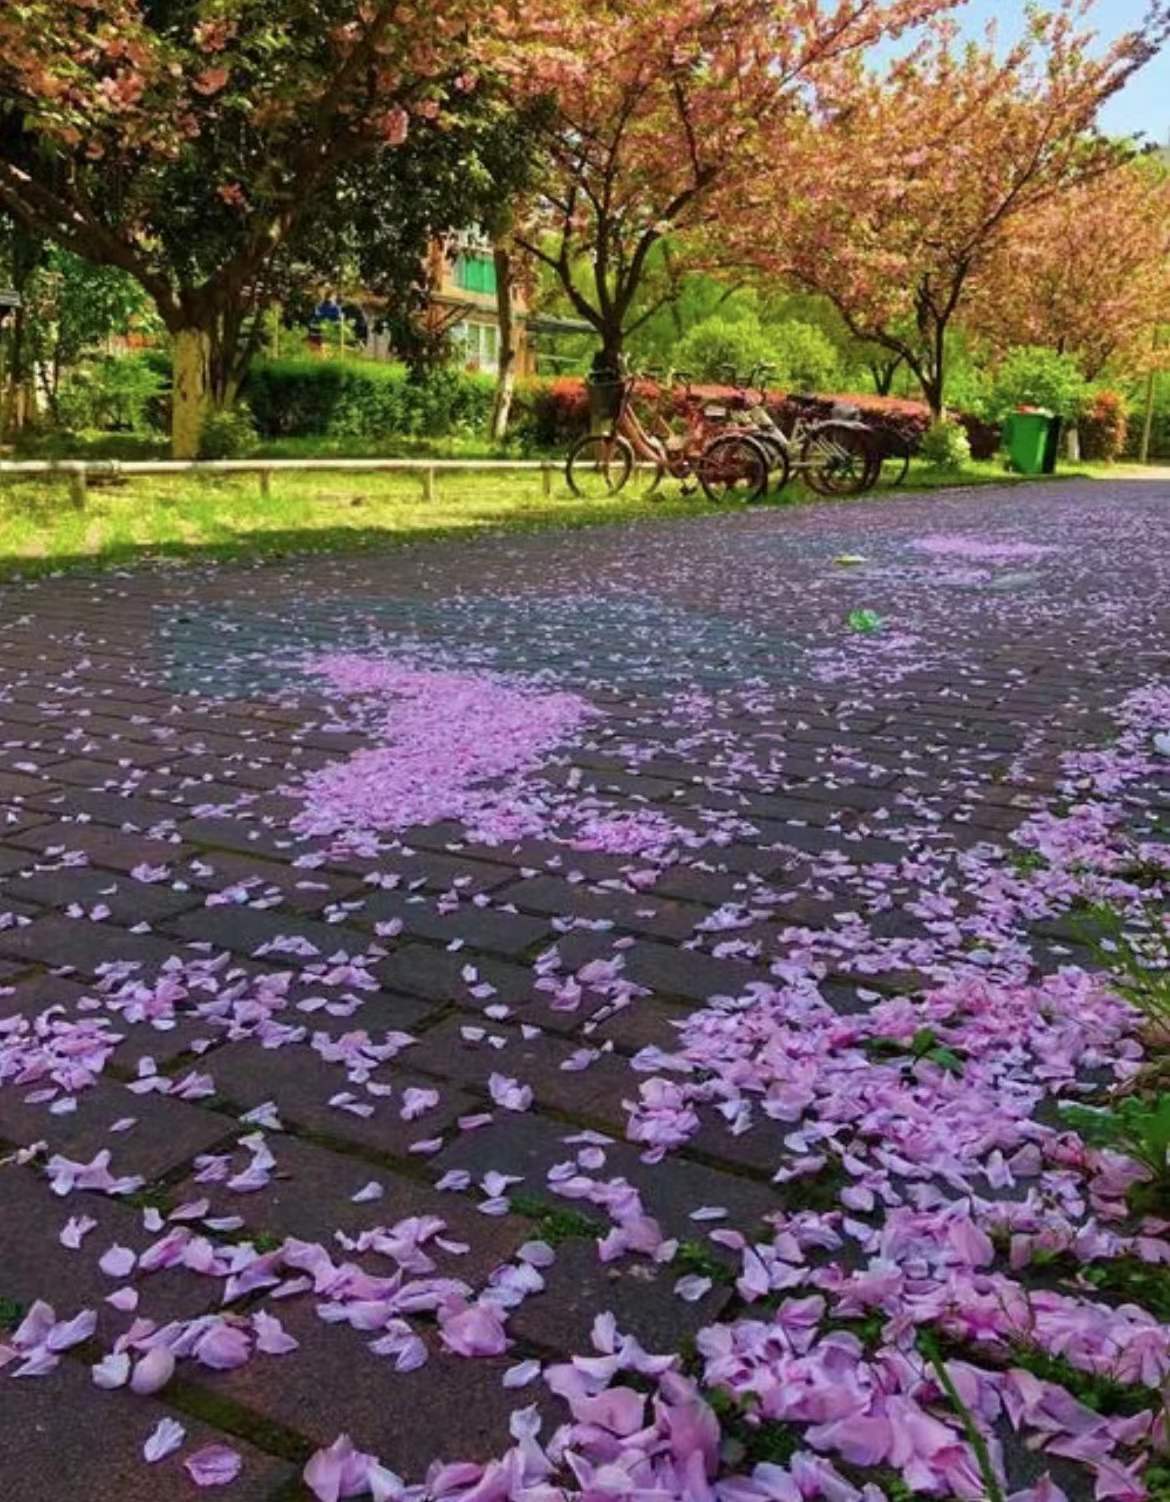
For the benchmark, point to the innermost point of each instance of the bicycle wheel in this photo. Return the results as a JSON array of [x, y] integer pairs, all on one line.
[[838, 458], [599, 464], [733, 467], [779, 466], [894, 464]]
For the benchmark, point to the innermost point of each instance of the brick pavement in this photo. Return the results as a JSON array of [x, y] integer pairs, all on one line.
[[150, 720]]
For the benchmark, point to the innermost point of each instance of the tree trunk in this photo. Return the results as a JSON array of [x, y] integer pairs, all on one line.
[[606, 365], [933, 392], [931, 379], [1148, 417], [1072, 443], [883, 373], [12, 418], [191, 395], [508, 352]]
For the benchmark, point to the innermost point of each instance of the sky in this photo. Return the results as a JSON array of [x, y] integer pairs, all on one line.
[[1144, 105]]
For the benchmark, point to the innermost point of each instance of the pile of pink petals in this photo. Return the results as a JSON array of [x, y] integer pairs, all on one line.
[[453, 745]]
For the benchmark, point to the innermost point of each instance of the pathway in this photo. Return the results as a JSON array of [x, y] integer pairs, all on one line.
[[419, 970]]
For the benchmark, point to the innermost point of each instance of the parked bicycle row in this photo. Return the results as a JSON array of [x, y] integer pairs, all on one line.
[[732, 447]]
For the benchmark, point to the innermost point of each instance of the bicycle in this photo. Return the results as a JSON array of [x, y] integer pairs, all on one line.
[[731, 466], [837, 455]]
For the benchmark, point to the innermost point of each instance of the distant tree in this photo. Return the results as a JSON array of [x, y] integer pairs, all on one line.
[[1087, 274], [659, 104], [911, 181]]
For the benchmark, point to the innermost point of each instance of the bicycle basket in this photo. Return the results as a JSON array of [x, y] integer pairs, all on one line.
[[715, 410], [606, 398]]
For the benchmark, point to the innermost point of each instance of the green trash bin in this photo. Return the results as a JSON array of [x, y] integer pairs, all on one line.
[[1031, 437]]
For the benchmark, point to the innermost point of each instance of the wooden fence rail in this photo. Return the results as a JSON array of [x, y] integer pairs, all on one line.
[[80, 471]]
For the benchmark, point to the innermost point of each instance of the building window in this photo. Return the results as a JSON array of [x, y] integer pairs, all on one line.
[[478, 344], [475, 273]]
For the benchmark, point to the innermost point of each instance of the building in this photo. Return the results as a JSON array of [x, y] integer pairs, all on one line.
[[465, 302]]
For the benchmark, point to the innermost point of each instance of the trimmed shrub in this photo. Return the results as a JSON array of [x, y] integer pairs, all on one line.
[[1104, 426], [550, 414], [311, 398], [229, 434], [893, 421], [945, 445]]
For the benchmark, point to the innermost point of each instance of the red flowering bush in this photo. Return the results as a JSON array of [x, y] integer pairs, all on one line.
[[1104, 426], [550, 414]]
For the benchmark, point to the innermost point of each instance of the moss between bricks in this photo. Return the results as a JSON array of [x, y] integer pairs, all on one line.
[[555, 1224]]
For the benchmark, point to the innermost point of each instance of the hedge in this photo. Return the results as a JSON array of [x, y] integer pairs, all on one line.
[[552, 413], [315, 398]]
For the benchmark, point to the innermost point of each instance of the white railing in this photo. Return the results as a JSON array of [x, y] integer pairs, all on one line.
[[80, 471]]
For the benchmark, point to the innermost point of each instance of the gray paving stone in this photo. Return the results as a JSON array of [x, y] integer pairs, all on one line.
[[97, 1452]]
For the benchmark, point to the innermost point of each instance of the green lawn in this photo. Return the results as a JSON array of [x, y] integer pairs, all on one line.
[[164, 517]]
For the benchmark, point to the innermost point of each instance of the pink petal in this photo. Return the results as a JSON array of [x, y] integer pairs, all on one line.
[[154, 1371], [167, 1437], [214, 1465]]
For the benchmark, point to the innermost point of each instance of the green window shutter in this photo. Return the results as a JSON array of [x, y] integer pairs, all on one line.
[[476, 273]]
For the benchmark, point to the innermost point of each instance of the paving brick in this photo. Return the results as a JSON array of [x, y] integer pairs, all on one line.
[[129, 901], [110, 848], [300, 890], [114, 809], [425, 970], [458, 1407], [302, 1084], [245, 931], [310, 1196], [448, 1051], [237, 834], [648, 914], [30, 995], [97, 1451], [83, 946], [487, 928], [637, 1291], [166, 1133], [529, 1145], [34, 1264]]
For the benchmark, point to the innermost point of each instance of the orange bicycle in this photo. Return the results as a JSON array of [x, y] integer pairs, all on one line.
[[731, 466]]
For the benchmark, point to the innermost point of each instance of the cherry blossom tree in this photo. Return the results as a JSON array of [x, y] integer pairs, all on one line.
[[908, 183], [186, 144], [657, 105], [1088, 274]]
